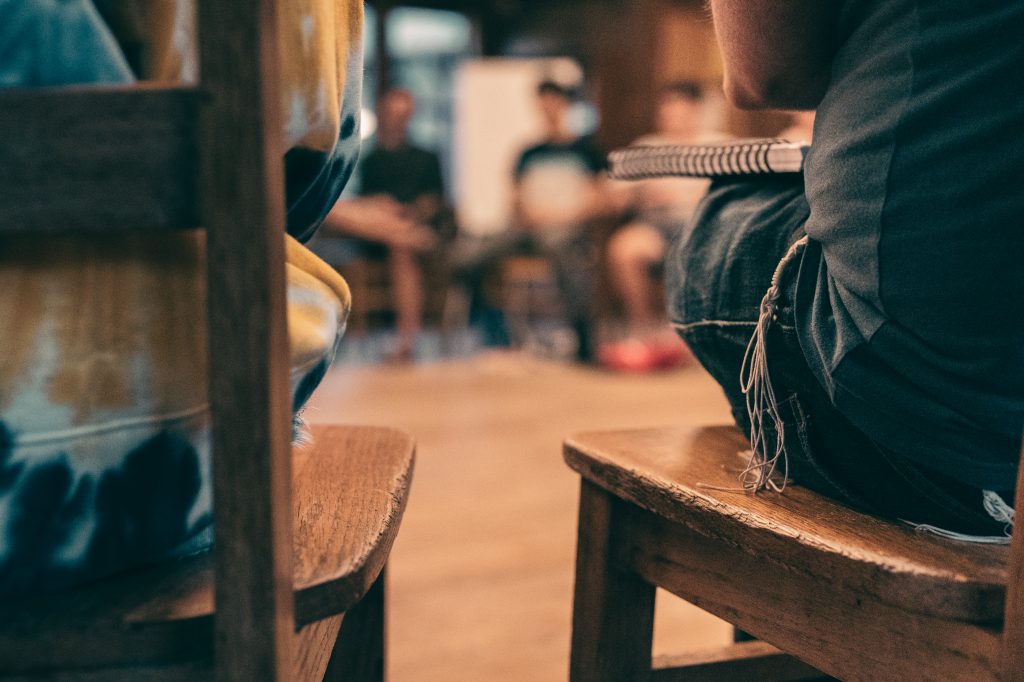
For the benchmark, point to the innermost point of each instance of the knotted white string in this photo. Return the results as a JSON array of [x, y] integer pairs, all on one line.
[[762, 404], [995, 506]]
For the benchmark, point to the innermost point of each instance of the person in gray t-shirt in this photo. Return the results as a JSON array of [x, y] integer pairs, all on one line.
[[898, 316]]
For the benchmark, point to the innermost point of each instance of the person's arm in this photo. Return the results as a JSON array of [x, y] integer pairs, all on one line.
[[520, 220], [429, 203], [378, 219], [777, 53]]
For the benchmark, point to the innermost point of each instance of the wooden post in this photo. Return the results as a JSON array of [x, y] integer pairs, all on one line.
[[1012, 662], [243, 209], [613, 611], [360, 651]]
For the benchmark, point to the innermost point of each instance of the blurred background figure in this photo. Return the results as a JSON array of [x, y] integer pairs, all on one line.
[[400, 215], [800, 128], [558, 194], [656, 211]]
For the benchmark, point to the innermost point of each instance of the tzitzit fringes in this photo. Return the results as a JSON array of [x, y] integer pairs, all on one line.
[[301, 435], [762, 404], [995, 507], [928, 529]]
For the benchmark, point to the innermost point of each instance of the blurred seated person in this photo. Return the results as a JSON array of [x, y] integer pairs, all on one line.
[[400, 215], [865, 320], [656, 210], [556, 199]]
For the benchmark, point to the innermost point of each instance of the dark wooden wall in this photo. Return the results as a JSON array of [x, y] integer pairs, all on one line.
[[629, 49]]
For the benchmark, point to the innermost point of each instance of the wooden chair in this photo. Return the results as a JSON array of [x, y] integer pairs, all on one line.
[[527, 292], [370, 282], [373, 300], [854, 596], [301, 538]]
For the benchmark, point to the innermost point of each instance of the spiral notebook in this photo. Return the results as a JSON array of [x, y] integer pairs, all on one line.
[[761, 156]]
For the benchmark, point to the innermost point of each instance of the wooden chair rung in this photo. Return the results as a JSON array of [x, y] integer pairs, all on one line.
[[99, 159], [744, 661]]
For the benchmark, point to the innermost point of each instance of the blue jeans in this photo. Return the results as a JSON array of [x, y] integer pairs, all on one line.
[[718, 270]]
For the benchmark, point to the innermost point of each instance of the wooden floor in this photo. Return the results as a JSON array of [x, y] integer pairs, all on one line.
[[481, 575]]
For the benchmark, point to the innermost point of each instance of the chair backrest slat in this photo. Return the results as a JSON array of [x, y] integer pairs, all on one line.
[[243, 211], [81, 159]]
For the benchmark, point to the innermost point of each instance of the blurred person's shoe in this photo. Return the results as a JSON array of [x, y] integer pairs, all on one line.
[[400, 355], [585, 352], [631, 356], [641, 355], [671, 352]]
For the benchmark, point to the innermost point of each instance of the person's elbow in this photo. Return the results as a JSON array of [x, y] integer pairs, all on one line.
[[776, 91]]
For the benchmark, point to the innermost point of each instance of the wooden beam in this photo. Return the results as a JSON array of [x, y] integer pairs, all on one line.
[[243, 209], [843, 632], [613, 609], [1012, 660], [747, 661], [98, 159]]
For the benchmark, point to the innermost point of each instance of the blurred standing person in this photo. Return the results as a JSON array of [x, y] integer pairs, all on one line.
[[401, 213], [657, 210], [557, 196]]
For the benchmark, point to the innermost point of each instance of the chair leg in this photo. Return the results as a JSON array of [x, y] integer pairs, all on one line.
[[613, 610], [739, 636], [359, 653]]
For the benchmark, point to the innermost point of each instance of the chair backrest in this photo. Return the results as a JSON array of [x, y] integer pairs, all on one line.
[[92, 159]]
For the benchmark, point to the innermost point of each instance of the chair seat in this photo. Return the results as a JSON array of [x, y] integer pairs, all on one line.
[[350, 489], [690, 476]]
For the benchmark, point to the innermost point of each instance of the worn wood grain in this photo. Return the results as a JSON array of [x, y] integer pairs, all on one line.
[[243, 211], [313, 646], [360, 652], [367, 472], [351, 489], [83, 159], [745, 661], [165, 613], [830, 625], [613, 610], [677, 472], [190, 671], [1013, 637]]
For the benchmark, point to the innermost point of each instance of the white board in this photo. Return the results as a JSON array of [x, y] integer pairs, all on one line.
[[496, 117]]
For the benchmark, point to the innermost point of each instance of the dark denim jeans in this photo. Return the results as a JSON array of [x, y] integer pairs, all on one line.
[[718, 270], [574, 257]]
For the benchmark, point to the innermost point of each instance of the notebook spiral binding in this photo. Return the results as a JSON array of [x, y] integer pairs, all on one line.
[[738, 157]]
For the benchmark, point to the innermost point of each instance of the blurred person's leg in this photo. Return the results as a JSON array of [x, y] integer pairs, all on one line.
[[407, 291], [574, 257], [474, 260], [634, 254], [633, 251]]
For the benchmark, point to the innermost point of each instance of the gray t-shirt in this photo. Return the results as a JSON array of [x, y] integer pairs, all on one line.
[[910, 300]]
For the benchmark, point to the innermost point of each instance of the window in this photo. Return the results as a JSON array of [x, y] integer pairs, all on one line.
[[424, 46]]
